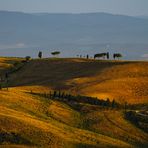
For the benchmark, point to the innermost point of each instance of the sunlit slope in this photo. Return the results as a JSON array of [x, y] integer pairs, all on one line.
[[119, 80], [6, 63], [113, 124], [28, 120], [40, 122]]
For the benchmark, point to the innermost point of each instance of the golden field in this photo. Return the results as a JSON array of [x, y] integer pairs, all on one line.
[[28, 120], [119, 80]]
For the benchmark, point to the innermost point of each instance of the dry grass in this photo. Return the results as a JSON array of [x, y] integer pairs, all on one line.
[[6, 63], [51, 123], [122, 81], [42, 128], [113, 124]]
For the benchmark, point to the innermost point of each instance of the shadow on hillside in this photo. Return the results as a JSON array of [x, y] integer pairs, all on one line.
[[13, 138], [55, 73]]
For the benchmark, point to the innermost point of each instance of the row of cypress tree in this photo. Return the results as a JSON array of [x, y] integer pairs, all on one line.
[[63, 96]]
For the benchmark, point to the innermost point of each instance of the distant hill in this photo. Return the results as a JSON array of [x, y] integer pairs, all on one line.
[[143, 16], [71, 31]]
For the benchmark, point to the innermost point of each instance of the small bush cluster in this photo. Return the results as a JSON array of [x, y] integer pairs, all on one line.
[[4, 77], [130, 115], [13, 138]]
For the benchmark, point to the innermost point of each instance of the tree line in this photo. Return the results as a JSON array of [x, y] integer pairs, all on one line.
[[104, 55], [5, 75], [67, 97]]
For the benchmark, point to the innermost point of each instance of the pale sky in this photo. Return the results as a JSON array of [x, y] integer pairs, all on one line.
[[126, 7]]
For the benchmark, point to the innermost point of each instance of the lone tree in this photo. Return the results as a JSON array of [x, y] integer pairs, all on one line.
[[113, 104], [6, 79], [87, 56], [40, 54], [55, 53], [117, 55], [0, 83], [107, 55], [27, 58], [100, 55]]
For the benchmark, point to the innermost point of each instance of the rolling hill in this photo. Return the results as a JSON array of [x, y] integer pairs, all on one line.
[[120, 80], [29, 120]]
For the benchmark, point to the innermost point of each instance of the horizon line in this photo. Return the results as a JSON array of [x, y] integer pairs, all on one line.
[[42, 12]]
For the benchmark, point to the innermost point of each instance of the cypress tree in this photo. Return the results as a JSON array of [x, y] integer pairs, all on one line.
[[113, 103]]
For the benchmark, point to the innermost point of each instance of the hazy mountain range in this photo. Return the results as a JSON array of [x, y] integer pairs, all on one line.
[[24, 34]]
